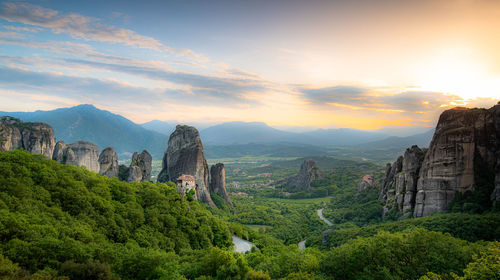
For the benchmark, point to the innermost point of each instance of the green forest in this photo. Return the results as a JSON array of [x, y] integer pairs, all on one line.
[[65, 222]]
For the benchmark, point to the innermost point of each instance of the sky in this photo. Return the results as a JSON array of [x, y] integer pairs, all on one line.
[[365, 64]]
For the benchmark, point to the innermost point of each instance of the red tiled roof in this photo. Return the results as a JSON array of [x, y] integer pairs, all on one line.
[[185, 177]]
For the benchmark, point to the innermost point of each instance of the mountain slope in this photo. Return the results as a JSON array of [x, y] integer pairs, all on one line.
[[343, 136], [86, 122], [422, 140], [258, 132], [244, 133], [162, 127]]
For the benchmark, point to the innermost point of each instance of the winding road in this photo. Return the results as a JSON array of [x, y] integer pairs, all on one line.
[[302, 244], [320, 214]]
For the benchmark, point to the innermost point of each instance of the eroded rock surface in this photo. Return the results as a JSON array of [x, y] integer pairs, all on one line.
[[81, 153], [34, 137], [218, 181], [400, 184], [308, 172], [184, 155], [140, 167], [108, 162], [464, 155]]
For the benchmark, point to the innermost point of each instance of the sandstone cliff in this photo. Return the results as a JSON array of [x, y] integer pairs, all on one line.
[[108, 162], [400, 184], [81, 153], [463, 156], [308, 172], [36, 138], [184, 155], [218, 181], [140, 167]]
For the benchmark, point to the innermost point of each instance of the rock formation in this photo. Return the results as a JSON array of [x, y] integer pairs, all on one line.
[[465, 144], [366, 183], [218, 181], [81, 153], [302, 181], [140, 167], [400, 184], [184, 155], [36, 138], [464, 155], [108, 162]]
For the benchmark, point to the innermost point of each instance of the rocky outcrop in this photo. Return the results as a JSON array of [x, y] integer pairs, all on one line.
[[108, 162], [81, 153], [464, 145], [36, 138], [400, 184], [184, 155], [366, 183], [308, 172], [218, 181], [464, 155], [140, 167]]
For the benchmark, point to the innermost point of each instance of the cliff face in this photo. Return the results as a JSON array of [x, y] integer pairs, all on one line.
[[108, 162], [218, 181], [465, 147], [463, 140], [81, 153], [308, 172], [400, 184], [184, 155], [37, 138], [140, 167]]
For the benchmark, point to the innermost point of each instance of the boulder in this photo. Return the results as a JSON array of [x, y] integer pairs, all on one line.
[[184, 155], [108, 162], [218, 181]]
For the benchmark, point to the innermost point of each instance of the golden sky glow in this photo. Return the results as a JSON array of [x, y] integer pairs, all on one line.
[[360, 64]]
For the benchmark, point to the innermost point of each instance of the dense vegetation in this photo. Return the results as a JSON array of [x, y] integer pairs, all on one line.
[[64, 222], [464, 226]]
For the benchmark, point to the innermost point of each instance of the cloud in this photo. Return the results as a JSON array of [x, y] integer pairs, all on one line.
[[83, 27], [218, 87], [98, 89], [22, 28], [337, 94], [359, 98], [71, 48]]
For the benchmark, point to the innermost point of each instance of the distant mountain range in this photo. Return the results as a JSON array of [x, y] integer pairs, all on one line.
[[103, 128], [231, 139]]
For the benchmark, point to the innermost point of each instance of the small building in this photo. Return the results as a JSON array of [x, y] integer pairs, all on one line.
[[186, 182]]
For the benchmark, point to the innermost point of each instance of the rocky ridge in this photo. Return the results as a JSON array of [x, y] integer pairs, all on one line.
[[464, 155]]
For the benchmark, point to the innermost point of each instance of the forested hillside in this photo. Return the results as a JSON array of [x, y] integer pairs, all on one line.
[[64, 222]]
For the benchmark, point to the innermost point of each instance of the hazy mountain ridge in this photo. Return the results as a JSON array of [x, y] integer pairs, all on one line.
[[88, 123]]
